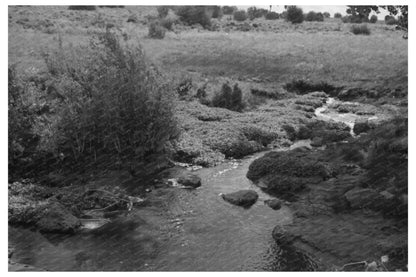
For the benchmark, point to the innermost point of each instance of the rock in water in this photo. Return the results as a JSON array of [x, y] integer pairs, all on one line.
[[245, 198], [361, 126], [282, 237], [55, 218], [362, 198], [189, 180], [275, 204]]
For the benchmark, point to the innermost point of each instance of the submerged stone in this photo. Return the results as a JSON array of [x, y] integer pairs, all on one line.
[[245, 198]]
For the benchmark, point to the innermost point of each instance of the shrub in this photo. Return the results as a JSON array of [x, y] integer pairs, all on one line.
[[337, 15], [313, 16], [22, 140], [229, 9], [294, 15], [229, 98], [216, 12], [361, 29], [133, 18], [390, 20], [346, 19], [116, 107], [111, 7], [167, 23], [240, 15], [272, 16], [82, 8], [156, 30], [162, 11], [254, 13], [304, 87], [326, 14], [194, 15], [373, 19]]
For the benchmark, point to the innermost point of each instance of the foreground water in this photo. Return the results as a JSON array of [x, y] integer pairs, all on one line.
[[200, 232]]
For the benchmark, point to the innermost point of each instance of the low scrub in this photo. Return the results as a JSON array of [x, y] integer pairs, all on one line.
[[156, 30], [82, 8], [361, 29], [337, 15], [265, 93], [304, 87]]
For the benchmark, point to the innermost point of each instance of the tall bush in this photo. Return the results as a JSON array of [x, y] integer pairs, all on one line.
[[294, 14], [116, 106]]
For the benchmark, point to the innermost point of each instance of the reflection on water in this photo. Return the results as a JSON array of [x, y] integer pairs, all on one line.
[[198, 231]]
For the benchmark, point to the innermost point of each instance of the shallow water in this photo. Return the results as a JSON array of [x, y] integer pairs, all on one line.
[[199, 232]]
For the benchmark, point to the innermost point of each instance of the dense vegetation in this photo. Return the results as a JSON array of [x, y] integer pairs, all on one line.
[[105, 105]]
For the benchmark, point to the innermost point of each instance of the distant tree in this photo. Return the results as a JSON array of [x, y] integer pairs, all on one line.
[[216, 11], [162, 11], [327, 14], [240, 15], [373, 18], [272, 16], [313, 16], [359, 14], [228, 9], [390, 20], [294, 14], [337, 15], [253, 13], [364, 11]]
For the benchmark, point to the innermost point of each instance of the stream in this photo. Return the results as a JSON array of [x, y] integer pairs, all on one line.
[[192, 230]]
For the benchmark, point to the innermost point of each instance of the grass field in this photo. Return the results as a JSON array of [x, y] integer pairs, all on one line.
[[279, 52], [265, 57]]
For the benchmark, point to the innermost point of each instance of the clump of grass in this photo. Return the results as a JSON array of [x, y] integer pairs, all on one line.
[[240, 15], [156, 30], [167, 23], [82, 8], [361, 29]]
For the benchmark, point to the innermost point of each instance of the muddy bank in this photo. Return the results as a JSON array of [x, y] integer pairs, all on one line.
[[348, 205]]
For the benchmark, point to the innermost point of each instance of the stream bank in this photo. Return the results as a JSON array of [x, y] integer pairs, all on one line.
[[196, 230]]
